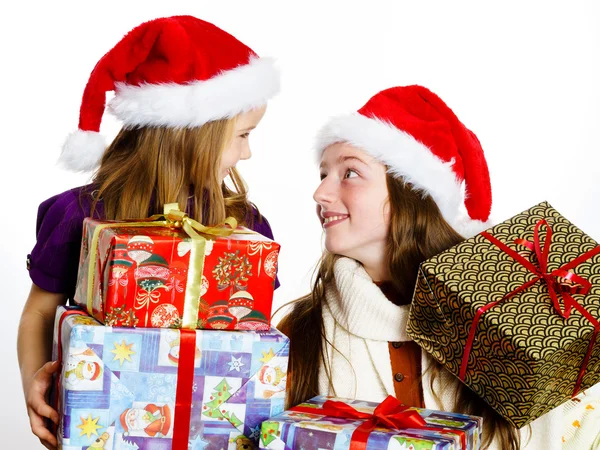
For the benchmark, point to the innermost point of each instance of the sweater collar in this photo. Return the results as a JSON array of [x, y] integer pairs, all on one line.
[[361, 308]]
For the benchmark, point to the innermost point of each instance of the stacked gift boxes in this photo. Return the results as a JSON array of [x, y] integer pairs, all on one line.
[[328, 422], [514, 313], [137, 372]]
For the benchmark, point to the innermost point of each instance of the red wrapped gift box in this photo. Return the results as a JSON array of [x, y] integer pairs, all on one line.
[[162, 273]]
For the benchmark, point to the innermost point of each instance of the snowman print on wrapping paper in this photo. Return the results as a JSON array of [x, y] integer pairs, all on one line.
[[272, 377], [169, 349], [83, 370]]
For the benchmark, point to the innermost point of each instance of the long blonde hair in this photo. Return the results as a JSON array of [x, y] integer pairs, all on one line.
[[417, 232], [145, 168]]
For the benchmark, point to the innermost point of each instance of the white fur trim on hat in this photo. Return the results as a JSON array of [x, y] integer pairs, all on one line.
[[175, 105], [82, 151], [467, 227]]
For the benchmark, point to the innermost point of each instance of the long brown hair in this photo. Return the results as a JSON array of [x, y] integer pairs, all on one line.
[[417, 232], [145, 168]]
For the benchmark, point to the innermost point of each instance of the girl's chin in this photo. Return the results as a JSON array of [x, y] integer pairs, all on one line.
[[336, 250]]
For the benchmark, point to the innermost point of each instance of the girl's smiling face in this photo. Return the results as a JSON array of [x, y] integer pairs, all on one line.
[[352, 205]]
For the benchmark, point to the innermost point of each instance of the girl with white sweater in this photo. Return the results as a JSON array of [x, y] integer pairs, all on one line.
[[402, 179]]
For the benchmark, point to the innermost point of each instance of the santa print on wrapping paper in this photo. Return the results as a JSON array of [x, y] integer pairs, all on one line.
[[149, 420], [82, 368]]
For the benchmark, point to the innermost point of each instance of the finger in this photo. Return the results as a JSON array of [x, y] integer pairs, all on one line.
[[42, 380], [43, 409], [47, 370], [39, 429], [51, 367]]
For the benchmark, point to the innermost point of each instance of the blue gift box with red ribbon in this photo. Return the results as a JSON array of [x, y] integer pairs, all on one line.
[[346, 424], [514, 313], [158, 389]]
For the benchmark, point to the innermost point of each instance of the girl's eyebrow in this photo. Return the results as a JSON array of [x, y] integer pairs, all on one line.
[[248, 129], [343, 158]]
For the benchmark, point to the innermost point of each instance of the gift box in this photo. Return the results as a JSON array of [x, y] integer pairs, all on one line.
[[158, 389], [162, 273], [513, 312], [345, 424]]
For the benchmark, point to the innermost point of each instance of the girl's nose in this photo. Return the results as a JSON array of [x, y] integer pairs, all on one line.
[[325, 193]]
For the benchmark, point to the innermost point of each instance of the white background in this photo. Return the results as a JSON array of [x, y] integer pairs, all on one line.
[[522, 75]]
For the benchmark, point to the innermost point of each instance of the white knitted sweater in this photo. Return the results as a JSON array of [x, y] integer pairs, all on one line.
[[360, 322]]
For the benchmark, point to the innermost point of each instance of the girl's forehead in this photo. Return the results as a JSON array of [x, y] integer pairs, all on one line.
[[340, 152]]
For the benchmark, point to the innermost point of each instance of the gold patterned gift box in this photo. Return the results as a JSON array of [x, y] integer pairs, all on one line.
[[514, 313]]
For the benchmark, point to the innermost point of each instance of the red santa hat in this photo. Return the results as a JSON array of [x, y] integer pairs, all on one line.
[[170, 72], [420, 139]]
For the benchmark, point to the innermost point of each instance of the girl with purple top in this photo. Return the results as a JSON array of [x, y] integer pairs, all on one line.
[[189, 95]]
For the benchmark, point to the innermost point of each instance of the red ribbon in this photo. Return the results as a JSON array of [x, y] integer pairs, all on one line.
[[560, 282], [185, 381], [390, 414]]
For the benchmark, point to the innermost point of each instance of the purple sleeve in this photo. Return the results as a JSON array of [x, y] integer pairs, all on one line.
[[261, 225], [54, 260]]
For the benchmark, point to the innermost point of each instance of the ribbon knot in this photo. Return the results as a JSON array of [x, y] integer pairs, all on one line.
[[560, 282], [179, 219], [389, 414]]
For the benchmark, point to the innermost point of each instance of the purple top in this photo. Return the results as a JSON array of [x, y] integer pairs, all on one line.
[[54, 261]]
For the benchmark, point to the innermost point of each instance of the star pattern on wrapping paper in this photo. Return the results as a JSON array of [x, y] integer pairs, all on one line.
[[235, 364], [198, 443], [122, 352], [89, 426], [255, 432]]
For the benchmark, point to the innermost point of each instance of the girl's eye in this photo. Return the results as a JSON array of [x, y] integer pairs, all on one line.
[[350, 174], [245, 135], [322, 176]]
